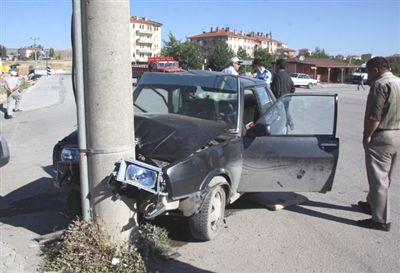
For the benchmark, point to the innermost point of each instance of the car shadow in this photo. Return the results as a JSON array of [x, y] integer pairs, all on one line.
[[37, 206], [303, 209], [247, 202], [173, 266]]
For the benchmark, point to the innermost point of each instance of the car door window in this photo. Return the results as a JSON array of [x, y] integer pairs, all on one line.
[[302, 115], [250, 111], [264, 97]]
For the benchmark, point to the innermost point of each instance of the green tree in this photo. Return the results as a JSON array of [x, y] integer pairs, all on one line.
[[219, 59], [3, 51], [319, 53], [171, 47], [51, 52], [395, 67], [266, 58], [190, 55], [242, 54]]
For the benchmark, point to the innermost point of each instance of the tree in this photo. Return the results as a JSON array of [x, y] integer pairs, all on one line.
[[218, 60], [190, 56], [266, 58], [171, 47], [51, 52], [319, 53], [395, 66], [242, 54], [3, 51]]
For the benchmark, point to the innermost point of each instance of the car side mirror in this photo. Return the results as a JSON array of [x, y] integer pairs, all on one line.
[[4, 152], [260, 129]]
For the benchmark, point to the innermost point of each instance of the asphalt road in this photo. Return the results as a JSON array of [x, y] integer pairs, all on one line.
[[319, 235]]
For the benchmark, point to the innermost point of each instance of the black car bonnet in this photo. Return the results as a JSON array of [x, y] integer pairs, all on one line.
[[170, 137]]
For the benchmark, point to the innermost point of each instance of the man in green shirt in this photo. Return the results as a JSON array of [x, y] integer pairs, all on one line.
[[381, 141]]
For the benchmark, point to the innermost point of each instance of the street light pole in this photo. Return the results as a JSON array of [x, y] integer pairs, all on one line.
[[34, 39]]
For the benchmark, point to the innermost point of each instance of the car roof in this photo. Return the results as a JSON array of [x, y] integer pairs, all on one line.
[[245, 81]]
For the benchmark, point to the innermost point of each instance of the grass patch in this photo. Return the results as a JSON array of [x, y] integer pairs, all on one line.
[[85, 247]]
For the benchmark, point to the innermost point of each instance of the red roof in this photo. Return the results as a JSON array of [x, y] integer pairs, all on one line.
[[227, 33], [331, 63], [144, 20]]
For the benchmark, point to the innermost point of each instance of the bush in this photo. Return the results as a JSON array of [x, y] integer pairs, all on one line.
[[85, 247]]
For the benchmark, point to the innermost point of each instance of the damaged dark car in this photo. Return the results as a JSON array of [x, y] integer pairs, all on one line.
[[204, 138]]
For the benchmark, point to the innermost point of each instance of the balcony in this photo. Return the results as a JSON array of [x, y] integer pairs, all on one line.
[[144, 41], [144, 31], [144, 50]]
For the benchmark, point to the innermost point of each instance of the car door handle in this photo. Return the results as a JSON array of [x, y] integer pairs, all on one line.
[[328, 146]]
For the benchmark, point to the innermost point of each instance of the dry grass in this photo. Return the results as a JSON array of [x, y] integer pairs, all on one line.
[[85, 247], [65, 65]]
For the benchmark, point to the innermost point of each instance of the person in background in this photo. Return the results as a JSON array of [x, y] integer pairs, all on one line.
[[12, 86], [360, 82], [281, 83], [234, 64], [381, 139], [262, 72]]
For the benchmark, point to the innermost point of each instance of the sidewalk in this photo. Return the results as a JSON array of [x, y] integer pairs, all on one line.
[[48, 91]]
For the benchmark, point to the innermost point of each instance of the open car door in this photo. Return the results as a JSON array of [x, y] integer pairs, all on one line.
[[297, 150]]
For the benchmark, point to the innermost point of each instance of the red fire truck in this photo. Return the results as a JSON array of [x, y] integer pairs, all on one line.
[[165, 64]]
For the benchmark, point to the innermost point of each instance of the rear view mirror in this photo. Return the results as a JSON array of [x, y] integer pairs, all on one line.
[[4, 152]]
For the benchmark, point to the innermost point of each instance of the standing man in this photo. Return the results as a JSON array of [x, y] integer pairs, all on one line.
[[262, 72], [12, 86], [234, 64], [360, 82], [381, 141], [281, 83]]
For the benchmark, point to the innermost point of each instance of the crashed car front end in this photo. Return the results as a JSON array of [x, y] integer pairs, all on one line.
[[166, 176]]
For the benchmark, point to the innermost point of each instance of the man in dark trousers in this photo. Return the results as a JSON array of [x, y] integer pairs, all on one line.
[[281, 82], [381, 141]]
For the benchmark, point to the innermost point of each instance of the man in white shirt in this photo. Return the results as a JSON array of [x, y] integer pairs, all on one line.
[[12, 86], [233, 67], [262, 72]]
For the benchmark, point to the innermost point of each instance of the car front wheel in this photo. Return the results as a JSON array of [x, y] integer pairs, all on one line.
[[309, 85], [206, 224]]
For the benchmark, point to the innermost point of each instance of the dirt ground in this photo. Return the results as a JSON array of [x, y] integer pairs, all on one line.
[[65, 65]]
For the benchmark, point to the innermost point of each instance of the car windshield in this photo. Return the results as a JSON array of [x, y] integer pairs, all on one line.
[[294, 75], [205, 96]]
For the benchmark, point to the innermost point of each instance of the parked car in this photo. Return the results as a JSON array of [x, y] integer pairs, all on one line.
[[301, 79], [204, 138], [4, 152]]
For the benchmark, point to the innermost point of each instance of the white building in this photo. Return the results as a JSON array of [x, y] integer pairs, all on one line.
[[145, 39], [238, 39]]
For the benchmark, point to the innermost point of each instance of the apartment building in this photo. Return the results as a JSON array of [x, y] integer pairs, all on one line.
[[145, 39], [235, 39]]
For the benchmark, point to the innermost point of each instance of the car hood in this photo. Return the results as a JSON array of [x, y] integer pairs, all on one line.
[[169, 137]]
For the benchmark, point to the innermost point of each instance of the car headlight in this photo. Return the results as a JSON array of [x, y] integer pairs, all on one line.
[[69, 155], [143, 176]]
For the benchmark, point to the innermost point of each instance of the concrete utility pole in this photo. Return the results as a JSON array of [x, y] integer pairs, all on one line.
[[109, 107]]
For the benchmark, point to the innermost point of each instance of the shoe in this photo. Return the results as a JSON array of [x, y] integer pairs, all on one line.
[[17, 110], [369, 223], [365, 207], [8, 117]]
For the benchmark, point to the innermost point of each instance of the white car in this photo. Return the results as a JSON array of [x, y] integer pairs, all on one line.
[[301, 79]]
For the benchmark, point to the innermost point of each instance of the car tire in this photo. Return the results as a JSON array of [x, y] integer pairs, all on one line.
[[309, 85], [205, 224]]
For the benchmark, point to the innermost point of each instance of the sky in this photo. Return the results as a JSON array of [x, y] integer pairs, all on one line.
[[347, 27]]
